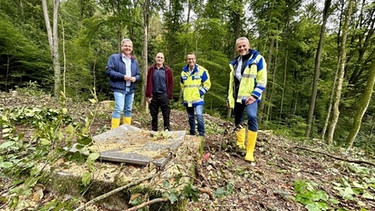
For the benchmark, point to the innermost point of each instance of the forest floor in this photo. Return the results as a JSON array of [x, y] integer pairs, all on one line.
[[287, 174]]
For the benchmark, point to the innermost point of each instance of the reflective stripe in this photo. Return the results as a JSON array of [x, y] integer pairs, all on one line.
[[258, 90], [248, 75], [261, 85], [192, 85]]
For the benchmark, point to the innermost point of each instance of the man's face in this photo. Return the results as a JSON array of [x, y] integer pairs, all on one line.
[[191, 60], [242, 47], [159, 59], [127, 48]]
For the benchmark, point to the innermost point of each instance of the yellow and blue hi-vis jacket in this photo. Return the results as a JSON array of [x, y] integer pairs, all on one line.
[[253, 81], [194, 85]]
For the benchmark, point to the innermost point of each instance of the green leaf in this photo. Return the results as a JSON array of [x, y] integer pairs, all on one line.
[[368, 195], [6, 165], [303, 199], [361, 203], [69, 129], [299, 185], [84, 140], [312, 207], [220, 192], [45, 142], [93, 156], [347, 193], [7, 130], [321, 195], [7, 144], [357, 185], [21, 191], [86, 178], [166, 184], [93, 101], [333, 201], [173, 197]]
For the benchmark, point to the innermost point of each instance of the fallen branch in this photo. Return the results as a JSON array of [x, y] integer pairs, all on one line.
[[337, 158], [96, 199], [202, 190], [144, 204]]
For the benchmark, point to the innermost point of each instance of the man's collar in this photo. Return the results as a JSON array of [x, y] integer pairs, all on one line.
[[162, 66], [124, 56]]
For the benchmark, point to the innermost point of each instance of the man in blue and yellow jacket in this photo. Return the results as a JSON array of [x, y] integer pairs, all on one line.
[[195, 82], [247, 81]]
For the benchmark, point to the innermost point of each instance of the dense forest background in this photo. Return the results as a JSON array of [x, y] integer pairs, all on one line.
[[320, 54]]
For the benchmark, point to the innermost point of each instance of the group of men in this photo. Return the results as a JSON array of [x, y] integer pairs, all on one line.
[[247, 81]]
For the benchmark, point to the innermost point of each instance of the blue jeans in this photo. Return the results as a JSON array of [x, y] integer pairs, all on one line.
[[251, 110], [123, 104], [199, 113]]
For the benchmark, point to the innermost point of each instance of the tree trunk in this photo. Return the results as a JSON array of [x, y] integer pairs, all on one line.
[[317, 69], [265, 92], [236, 16], [369, 141], [342, 59], [146, 9], [284, 82], [323, 134], [53, 40], [272, 89], [64, 56], [364, 101], [7, 73], [188, 13]]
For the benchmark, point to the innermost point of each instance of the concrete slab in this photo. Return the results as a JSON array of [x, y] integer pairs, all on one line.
[[129, 144]]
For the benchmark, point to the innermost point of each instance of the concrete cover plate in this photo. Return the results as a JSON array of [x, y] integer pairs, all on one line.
[[129, 144]]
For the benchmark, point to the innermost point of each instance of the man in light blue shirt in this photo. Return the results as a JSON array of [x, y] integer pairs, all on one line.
[[123, 71]]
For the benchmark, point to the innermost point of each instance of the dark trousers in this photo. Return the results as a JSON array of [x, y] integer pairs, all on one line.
[[162, 101]]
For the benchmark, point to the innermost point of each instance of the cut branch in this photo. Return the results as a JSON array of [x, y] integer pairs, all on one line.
[[144, 204], [202, 190], [96, 199]]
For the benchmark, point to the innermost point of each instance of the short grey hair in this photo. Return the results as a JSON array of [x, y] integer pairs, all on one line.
[[242, 39], [126, 40]]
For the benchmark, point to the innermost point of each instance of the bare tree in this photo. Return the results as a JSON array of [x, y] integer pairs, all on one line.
[[146, 13], [53, 40], [326, 122], [314, 90], [273, 85], [336, 112]]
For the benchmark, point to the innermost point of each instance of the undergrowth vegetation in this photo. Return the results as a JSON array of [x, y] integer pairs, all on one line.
[[33, 137]]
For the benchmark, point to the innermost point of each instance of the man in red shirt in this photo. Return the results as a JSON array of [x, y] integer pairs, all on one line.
[[159, 90]]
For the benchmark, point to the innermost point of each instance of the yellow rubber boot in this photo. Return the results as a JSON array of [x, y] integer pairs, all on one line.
[[241, 138], [115, 122], [250, 145], [126, 120]]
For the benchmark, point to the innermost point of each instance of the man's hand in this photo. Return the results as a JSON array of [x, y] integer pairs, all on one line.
[[250, 100], [148, 99], [129, 78]]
